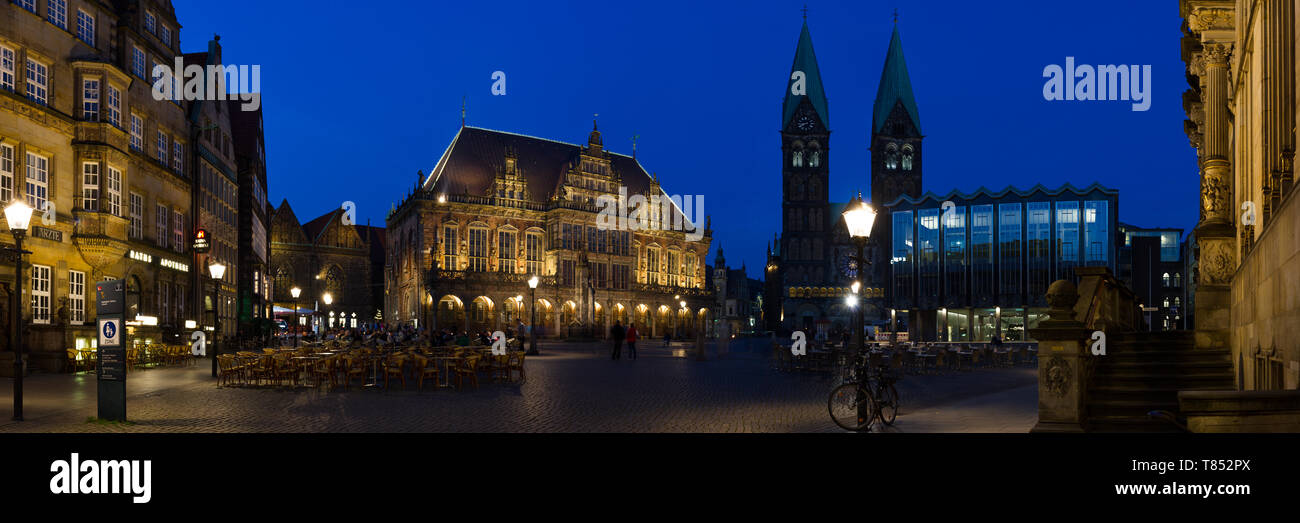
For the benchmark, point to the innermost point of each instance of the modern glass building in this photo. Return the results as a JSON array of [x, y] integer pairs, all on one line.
[[965, 267]]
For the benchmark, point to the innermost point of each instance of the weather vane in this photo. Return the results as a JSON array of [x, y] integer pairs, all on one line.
[[805, 11], [895, 16]]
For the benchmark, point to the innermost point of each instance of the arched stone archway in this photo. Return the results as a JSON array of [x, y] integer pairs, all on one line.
[[451, 313]]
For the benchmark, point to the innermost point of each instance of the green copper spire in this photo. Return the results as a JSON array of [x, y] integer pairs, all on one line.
[[895, 86], [804, 81]]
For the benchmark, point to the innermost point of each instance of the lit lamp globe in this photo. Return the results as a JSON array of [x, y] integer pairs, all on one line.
[[19, 216], [532, 282], [295, 292], [217, 270], [327, 298], [859, 217]]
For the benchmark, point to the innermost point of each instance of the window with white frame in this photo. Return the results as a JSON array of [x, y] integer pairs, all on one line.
[[90, 186], [136, 208], [29, 5], [38, 78], [177, 156], [165, 34], [162, 147], [86, 27], [178, 231], [40, 294], [6, 68], [137, 61], [56, 11], [6, 172], [113, 192], [137, 132], [150, 23], [38, 180], [112, 105], [161, 234], [76, 297], [90, 99]]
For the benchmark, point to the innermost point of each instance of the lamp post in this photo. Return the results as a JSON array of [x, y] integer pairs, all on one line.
[[859, 218], [295, 292], [216, 270], [19, 216], [532, 321]]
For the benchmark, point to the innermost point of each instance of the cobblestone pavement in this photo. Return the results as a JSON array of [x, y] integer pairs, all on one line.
[[570, 388]]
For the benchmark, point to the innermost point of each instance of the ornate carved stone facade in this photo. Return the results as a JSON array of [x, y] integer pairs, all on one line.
[[326, 256], [501, 207], [1241, 117]]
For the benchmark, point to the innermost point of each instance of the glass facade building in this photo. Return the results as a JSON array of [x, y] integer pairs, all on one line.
[[966, 267]]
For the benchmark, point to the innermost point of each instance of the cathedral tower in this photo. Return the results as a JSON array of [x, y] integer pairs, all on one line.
[[895, 131], [805, 147]]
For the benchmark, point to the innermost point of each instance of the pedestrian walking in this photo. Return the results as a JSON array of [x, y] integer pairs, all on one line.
[[617, 333], [631, 340]]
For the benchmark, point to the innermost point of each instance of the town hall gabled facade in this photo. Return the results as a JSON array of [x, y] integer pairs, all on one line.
[[811, 263]]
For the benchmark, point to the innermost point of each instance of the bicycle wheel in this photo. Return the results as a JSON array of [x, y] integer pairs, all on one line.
[[844, 403], [888, 404]]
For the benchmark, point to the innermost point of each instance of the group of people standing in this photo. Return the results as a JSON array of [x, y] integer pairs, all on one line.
[[619, 335]]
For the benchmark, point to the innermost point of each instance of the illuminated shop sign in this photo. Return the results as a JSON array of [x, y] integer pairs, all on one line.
[[163, 262]]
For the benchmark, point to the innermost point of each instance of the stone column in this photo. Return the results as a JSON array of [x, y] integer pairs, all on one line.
[[1062, 355], [1215, 234]]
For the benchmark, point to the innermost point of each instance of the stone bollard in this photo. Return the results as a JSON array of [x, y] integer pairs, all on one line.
[[1062, 346]]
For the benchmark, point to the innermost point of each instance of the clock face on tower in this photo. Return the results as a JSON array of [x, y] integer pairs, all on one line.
[[805, 122]]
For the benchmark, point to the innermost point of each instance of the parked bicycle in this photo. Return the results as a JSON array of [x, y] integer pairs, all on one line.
[[867, 395]]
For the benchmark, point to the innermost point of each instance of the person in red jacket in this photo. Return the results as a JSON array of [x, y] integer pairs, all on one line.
[[631, 340]]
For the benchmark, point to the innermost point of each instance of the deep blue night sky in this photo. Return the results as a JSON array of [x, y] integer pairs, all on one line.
[[358, 96]]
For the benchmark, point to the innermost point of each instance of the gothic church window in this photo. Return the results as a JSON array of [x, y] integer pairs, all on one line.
[[891, 157], [798, 158], [907, 157]]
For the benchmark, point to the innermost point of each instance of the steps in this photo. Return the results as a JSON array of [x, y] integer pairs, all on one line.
[[1144, 371]]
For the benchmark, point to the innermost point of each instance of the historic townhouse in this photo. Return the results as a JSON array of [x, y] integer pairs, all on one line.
[[500, 208], [254, 244], [325, 256], [84, 142]]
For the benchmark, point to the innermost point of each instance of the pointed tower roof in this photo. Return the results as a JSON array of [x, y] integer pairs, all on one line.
[[805, 60], [895, 86]]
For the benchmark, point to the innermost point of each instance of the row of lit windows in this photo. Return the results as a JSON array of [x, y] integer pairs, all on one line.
[[963, 251]]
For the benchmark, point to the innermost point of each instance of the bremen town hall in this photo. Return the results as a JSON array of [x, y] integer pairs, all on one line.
[[810, 265], [501, 208]]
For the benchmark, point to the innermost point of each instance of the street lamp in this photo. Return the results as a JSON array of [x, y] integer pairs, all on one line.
[[859, 218], [216, 270], [295, 292], [19, 216], [532, 321]]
